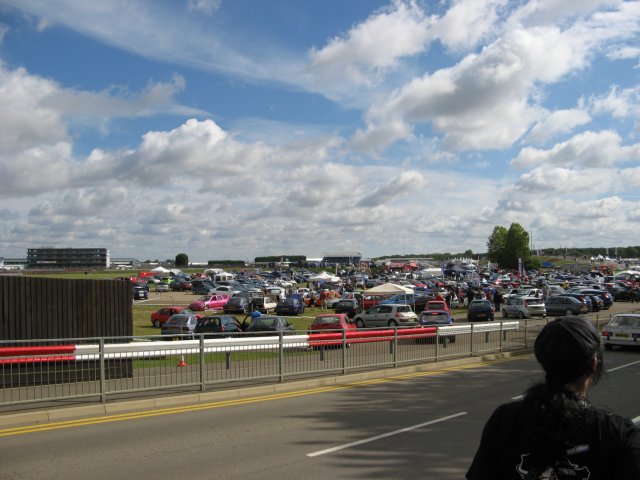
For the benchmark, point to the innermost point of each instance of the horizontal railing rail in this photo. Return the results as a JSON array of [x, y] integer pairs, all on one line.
[[100, 369]]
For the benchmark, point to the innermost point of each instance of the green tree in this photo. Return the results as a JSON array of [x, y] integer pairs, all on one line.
[[516, 246], [182, 260], [496, 245]]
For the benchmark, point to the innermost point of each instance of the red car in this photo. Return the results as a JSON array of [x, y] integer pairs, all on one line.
[[161, 316], [209, 302], [437, 305], [332, 321]]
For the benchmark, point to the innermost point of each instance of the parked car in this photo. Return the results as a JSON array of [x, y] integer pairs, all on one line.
[[181, 286], [436, 318], [140, 293], [480, 310], [180, 323], [290, 306], [606, 297], [237, 304], [264, 304], [437, 305], [332, 321], [523, 292], [161, 316], [350, 307], [565, 305], [209, 302], [162, 287], [622, 330], [582, 298], [270, 325], [417, 302], [432, 318], [218, 326], [387, 316], [201, 288], [522, 307], [225, 290]]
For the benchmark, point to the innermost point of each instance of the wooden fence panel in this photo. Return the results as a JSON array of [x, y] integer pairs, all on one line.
[[50, 308]]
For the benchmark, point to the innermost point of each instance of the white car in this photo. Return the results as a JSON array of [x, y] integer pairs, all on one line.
[[387, 315], [522, 307], [623, 330], [225, 290], [264, 304]]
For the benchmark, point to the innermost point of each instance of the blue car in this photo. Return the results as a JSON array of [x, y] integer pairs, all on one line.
[[480, 310]]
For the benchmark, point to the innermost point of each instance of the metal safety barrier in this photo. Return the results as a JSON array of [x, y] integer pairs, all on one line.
[[99, 369]]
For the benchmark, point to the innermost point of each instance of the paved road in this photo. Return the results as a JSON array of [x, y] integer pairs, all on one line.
[[423, 426]]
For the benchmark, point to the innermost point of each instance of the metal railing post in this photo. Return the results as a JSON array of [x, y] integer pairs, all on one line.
[[502, 331], [103, 380], [526, 339], [202, 364], [471, 342], [395, 347], [437, 342], [281, 357], [344, 351]]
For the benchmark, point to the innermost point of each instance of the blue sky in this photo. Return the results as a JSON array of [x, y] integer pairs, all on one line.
[[232, 129]]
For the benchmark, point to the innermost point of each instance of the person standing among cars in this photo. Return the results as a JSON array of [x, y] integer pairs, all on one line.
[[554, 432]]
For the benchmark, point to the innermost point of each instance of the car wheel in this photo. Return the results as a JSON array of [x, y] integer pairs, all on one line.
[[568, 311], [156, 323], [359, 323], [392, 323], [520, 315], [504, 313]]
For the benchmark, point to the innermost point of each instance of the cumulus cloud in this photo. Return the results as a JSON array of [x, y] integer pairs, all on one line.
[[564, 180], [557, 123], [619, 103], [374, 45], [403, 184], [587, 149]]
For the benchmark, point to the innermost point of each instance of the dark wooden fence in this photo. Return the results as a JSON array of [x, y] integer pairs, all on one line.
[[33, 308], [48, 308]]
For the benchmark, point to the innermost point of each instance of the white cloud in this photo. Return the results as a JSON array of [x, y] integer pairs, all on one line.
[[403, 184], [467, 23], [373, 46], [548, 181], [203, 6], [557, 123], [619, 103], [587, 149]]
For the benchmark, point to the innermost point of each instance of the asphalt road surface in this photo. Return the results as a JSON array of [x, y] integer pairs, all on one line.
[[424, 425]]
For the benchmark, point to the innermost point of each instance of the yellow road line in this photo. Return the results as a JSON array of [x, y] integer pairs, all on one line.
[[245, 401]]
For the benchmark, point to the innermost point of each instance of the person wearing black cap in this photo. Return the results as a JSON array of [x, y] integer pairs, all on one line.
[[554, 432]]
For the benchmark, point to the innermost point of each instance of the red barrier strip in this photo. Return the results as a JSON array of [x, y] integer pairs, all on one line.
[[30, 360], [363, 336], [36, 350]]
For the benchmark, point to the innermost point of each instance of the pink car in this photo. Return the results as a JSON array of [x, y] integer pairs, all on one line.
[[209, 302]]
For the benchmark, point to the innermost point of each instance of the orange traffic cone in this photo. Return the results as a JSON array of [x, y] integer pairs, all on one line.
[[182, 363]]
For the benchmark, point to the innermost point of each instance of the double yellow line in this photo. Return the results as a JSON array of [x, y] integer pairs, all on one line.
[[245, 401]]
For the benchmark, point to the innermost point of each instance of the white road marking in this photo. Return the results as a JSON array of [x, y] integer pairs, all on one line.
[[519, 397], [622, 366], [635, 420], [384, 435]]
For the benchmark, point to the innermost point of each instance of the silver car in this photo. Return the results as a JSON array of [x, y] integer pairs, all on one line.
[[522, 307], [387, 315], [623, 329]]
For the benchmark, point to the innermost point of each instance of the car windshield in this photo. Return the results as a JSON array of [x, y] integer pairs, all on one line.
[[333, 320], [438, 318], [625, 321], [480, 303], [264, 322]]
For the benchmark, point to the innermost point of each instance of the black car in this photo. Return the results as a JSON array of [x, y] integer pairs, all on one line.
[[219, 326], [349, 306], [289, 306], [269, 325], [237, 304]]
